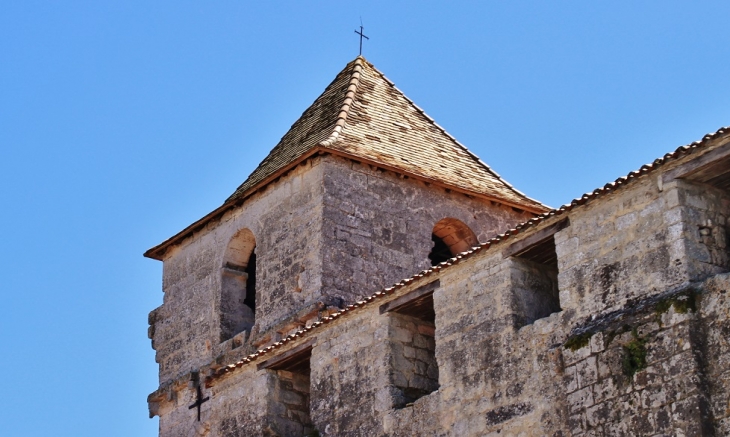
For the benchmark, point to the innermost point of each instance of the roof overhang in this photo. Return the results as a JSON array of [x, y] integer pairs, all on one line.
[[158, 252]]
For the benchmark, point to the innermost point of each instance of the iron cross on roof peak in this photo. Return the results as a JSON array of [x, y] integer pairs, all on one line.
[[362, 35]]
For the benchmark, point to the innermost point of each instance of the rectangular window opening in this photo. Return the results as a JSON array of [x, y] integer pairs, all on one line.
[[412, 327], [535, 275], [291, 391], [709, 190]]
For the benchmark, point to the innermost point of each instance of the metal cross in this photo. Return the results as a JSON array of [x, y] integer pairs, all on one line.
[[199, 401], [362, 35]]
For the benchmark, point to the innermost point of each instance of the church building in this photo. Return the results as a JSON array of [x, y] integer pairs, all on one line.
[[373, 277]]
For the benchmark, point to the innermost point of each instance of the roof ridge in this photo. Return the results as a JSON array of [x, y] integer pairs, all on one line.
[[346, 104], [448, 135], [585, 198]]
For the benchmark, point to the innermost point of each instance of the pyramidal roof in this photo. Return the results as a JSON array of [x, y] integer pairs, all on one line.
[[363, 115]]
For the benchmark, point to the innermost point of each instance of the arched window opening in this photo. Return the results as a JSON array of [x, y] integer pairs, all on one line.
[[238, 285], [450, 237]]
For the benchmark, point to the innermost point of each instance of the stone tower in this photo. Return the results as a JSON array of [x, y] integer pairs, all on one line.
[[286, 312], [363, 190]]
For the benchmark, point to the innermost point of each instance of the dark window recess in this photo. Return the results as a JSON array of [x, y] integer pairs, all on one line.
[[420, 308], [414, 370], [250, 300], [535, 282], [440, 251], [292, 393], [295, 363], [450, 237], [713, 228], [542, 253], [716, 174]]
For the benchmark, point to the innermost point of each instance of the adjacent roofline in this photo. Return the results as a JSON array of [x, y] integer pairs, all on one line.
[[158, 252], [575, 203], [437, 182]]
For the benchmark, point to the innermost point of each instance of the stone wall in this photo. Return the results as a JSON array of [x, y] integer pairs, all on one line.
[[350, 382], [638, 343], [284, 219], [377, 225], [320, 232], [641, 375], [713, 340], [541, 379], [493, 376], [621, 248], [239, 404]]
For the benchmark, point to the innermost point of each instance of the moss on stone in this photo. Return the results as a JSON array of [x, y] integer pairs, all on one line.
[[578, 341], [682, 303], [634, 358]]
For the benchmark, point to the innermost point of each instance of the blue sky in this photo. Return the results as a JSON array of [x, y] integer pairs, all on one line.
[[123, 122]]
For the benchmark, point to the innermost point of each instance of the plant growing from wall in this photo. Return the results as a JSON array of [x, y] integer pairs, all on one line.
[[634, 358]]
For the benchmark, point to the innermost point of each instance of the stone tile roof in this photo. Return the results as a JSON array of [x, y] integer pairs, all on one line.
[[575, 203], [363, 115]]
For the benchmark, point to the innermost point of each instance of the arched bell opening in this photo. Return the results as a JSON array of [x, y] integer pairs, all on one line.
[[450, 237]]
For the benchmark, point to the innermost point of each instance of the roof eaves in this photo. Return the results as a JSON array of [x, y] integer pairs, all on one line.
[[158, 251], [453, 186]]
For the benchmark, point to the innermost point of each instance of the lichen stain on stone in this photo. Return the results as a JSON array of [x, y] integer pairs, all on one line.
[[608, 275], [503, 414], [579, 341]]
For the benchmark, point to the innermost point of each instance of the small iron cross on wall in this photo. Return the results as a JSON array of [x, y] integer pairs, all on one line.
[[199, 401]]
